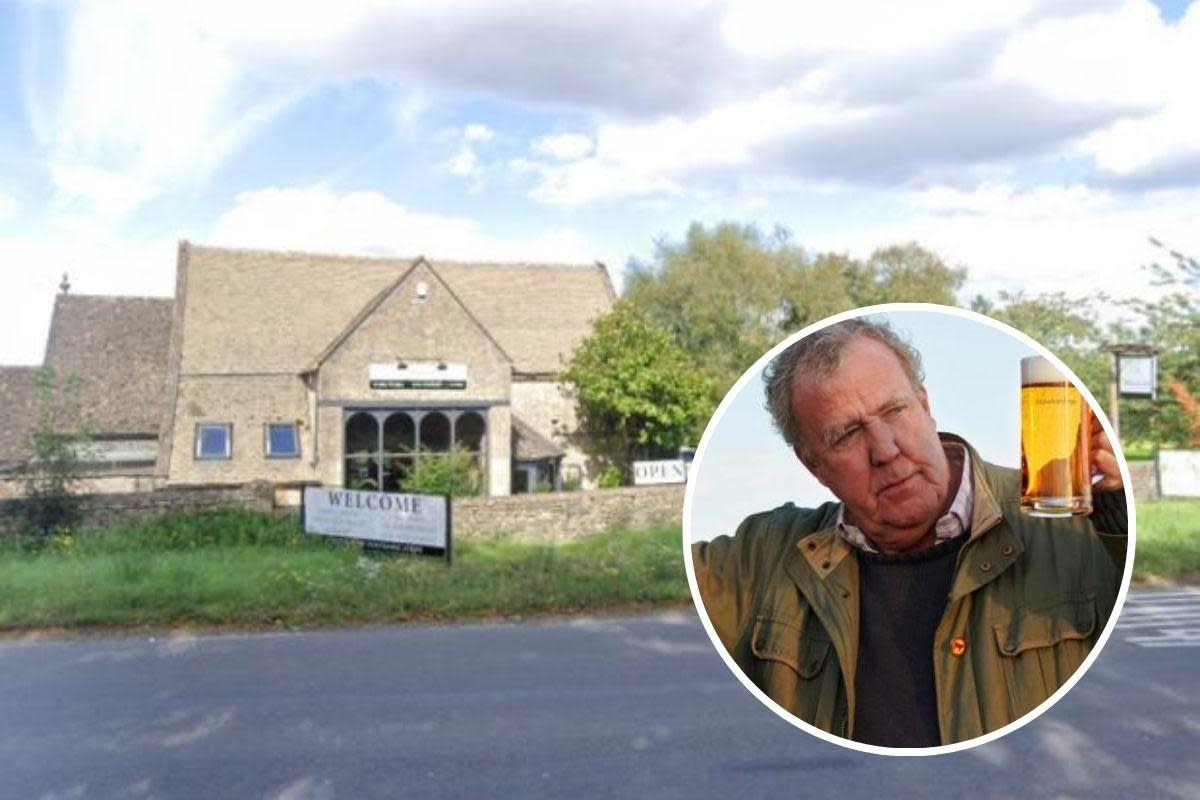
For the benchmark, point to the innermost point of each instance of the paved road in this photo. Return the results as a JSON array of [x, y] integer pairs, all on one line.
[[586, 708]]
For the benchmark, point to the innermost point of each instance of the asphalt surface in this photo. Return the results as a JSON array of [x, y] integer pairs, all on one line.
[[579, 708]]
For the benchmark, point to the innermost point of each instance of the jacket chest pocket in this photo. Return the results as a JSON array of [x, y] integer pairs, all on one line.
[[1040, 649], [795, 666]]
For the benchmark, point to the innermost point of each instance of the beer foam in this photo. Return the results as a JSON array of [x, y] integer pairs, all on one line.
[[1037, 369]]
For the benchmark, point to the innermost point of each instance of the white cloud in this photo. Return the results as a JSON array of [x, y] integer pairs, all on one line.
[[1127, 54], [408, 111], [639, 160], [920, 95], [108, 194], [563, 146], [866, 91], [318, 219], [769, 28], [8, 207], [98, 262], [1074, 239], [1043, 202], [477, 132], [142, 98], [464, 164]]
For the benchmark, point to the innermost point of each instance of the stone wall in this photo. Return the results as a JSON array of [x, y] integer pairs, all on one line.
[[103, 510], [552, 515], [542, 516], [1145, 480], [566, 515]]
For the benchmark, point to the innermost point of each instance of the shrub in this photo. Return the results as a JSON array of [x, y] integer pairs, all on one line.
[[456, 473], [50, 475], [609, 477]]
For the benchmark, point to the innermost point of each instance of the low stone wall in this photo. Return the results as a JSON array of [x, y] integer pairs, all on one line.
[[566, 515], [553, 515], [103, 510], [1145, 480], [541, 516]]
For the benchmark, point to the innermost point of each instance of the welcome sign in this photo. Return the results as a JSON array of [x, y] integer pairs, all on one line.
[[408, 523]]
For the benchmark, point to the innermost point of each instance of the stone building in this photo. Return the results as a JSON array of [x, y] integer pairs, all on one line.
[[297, 368]]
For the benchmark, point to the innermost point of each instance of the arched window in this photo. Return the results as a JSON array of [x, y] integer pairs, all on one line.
[[385, 448], [362, 452], [399, 445], [469, 429], [435, 432]]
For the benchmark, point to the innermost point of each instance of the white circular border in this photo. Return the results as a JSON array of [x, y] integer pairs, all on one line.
[[908, 751]]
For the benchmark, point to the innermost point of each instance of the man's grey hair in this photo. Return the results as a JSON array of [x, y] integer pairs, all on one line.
[[816, 356]]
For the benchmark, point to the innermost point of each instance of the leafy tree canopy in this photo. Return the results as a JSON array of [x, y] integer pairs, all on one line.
[[637, 392], [727, 294], [1066, 326]]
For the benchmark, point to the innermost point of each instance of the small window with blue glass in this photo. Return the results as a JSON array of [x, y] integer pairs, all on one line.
[[213, 440], [282, 440]]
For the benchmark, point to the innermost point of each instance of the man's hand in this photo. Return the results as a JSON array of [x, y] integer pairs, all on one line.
[[1104, 461]]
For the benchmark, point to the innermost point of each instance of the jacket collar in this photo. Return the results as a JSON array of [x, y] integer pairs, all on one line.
[[994, 547]]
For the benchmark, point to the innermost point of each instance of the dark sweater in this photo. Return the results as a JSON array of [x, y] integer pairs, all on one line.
[[903, 598], [902, 602]]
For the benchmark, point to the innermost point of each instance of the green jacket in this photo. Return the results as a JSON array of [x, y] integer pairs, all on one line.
[[1029, 599]]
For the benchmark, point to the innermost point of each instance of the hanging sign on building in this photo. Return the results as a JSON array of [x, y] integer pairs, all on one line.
[[647, 473], [1138, 375], [408, 523], [418, 375]]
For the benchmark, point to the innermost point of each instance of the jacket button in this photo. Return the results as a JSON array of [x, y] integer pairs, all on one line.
[[985, 566], [812, 545], [1010, 647], [845, 592], [1007, 550], [824, 565]]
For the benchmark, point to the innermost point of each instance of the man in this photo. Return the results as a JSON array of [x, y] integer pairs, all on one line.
[[924, 608]]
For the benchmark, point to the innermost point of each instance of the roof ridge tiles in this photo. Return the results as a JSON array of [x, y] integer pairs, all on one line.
[[379, 258]]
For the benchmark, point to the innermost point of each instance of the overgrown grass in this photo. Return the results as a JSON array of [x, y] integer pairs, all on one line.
[[239, 567], [243, 568], [1168, 539]]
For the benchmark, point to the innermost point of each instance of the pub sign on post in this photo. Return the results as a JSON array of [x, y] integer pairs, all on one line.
[[407, 523], [1137, 375]]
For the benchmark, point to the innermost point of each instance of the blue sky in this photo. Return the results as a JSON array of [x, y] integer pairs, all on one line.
[[972, 374], [1037, 143]]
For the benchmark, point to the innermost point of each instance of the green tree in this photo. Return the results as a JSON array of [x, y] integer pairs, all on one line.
[[718, 294], [50, 475], [908, 273], [637, 392], [728, 294], [1066, 326], [1171, 322]]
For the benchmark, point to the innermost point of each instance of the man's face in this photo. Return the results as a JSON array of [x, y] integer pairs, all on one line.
[[872, 442]]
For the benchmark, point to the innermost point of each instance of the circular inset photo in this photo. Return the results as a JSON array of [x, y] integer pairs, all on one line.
[[909, 529]]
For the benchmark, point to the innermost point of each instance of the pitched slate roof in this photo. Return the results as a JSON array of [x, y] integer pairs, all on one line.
[[529, 445], [255, 311], [18, 412], [116, 349]]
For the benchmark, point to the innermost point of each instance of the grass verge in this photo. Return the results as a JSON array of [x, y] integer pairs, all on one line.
[[243, 568], [1168, 540]]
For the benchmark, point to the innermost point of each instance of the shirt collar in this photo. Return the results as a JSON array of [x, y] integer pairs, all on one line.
[[955, 522]]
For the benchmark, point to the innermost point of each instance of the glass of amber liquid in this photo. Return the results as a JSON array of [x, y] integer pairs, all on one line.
[[1055, 435]]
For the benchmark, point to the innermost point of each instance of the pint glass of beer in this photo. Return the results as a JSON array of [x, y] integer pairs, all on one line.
[[1055, 434]]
